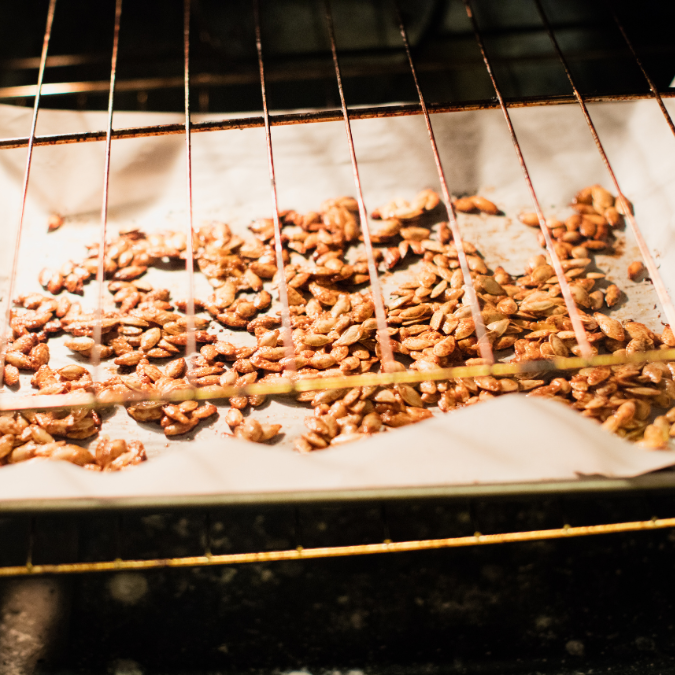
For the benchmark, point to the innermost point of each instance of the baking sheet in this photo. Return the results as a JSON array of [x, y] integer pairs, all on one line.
[[231, 183]]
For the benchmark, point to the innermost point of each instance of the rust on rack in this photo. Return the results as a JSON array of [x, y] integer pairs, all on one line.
[[288, 386], [301, 553], [100, 272], [575, 318], [191, 346], [285, 119], [387, 355], [483, 343], [657, 281], [282, 287], [26, 177]]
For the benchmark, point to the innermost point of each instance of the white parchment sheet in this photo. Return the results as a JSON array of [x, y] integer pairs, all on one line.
[[510, 439]]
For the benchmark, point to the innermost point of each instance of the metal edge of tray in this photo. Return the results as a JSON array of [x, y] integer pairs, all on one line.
[[656, 481]]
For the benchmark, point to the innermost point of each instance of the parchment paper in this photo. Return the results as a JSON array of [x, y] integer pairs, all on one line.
[[510, 439]]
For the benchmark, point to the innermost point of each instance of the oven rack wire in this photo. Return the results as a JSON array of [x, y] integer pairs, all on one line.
[[74, 564], [345, 114]]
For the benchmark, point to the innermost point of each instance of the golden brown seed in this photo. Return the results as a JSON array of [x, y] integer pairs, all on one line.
[[485, 205], [129, 273], [55, 283], [610, 327], [612, 216], [269, 431], [667, 337], [129, 359], [580, 296], [316, 340], [238, 402], [80, 344], [601, 198], [175, 413], [302, 445], [204, 411], [584, 196], [624, 206], [249, 430], [507, 306], [558, 346], [352, 335], [11, 376], [639, 345], [530, 219], [507, 385], [465, 205], [24, 344], [6, 445], [639, 330], [150, 338], [464, 329], [445, 347], [588, 227], [655, 437], [612, 295], [209, 352], [72, 372], [40, 355], [234, 418], [410, 395], [19, 360], [177, 429], [635, 270], [72, 453], [317, 425], [315, 440], [371, 423]]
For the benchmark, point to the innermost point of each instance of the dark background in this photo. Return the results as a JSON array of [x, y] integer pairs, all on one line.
[[602, 604], [297, 51]]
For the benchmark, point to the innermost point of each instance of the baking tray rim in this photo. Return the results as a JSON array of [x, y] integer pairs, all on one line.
[[658, 480]]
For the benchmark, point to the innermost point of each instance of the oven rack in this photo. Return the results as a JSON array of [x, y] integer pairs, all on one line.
[[116, 541], [345, 114]]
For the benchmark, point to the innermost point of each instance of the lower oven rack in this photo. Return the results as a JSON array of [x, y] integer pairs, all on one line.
[[140, 539]]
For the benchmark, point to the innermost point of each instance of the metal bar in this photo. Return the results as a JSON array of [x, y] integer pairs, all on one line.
[[100, 272], [50, 402], [26, 176], [386, 356], [282, 288], [650, 82], [301, 553], [657, 281], [370, 112], [191, 346], [575, 318], [484, 346]]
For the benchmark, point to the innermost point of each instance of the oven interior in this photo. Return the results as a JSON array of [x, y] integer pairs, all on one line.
[[615, 51]]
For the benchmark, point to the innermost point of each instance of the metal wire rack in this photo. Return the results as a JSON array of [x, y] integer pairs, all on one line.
[[346, 114], [116, 540]]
